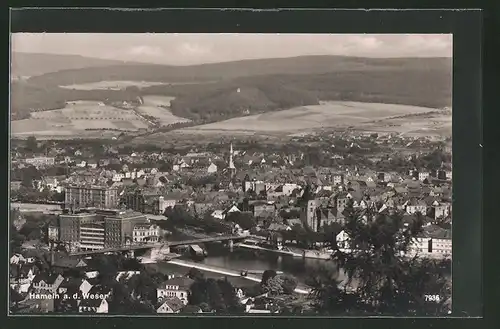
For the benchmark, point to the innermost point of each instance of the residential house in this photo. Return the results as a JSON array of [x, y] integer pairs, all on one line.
[[143, 233], [171, 199], [434, 242], [45, 283], [117, 177], [384, 177], [53, 232], [212, 168], [52, 184], [423, 175], [125, 275], [342, 240], [15, 185], [81, 163], [179, 287], [92, 164], [91, 274], [261, 207], [17, 258], [41, 161], [103, 162], [230, 209], [62, 264], [277, 227], [70, 286], [22, 275], [218, 214], [400, 190], [413, 206], [337, 179], [442, 210], [169, 305]]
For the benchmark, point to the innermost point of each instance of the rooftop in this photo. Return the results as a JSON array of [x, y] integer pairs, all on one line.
[[181, 282]]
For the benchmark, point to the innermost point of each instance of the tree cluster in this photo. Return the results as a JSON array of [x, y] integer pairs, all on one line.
[[381, 275], [277, 284], [245, 220], [213, 295], [179, 217]]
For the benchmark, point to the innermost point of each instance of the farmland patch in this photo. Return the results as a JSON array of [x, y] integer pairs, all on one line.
[[77, 117], [111, 85], [327, 115], [158, 107]]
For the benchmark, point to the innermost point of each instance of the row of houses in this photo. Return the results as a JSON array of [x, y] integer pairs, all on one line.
[[58, 291]]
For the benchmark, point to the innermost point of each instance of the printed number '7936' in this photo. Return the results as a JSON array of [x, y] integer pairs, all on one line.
[[432, 298]]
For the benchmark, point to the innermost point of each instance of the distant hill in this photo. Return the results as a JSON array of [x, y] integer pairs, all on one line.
[[265, 85], [231, 70], [32, 64]]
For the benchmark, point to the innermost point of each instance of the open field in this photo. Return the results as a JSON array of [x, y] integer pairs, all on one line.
[[417, 126], [364, 116], [75, 118], [154, 106], [111, 85]]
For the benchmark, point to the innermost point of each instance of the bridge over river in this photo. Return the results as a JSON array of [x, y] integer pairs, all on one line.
[[163, 245]]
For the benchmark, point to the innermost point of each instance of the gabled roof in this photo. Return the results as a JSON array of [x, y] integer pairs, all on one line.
[[277, 227], [294, 221], [416, 202], [67, 262], [436, 232], [324, 194], [89, 302], [181, 282], [400, 189], [47, 278], [173, 302]]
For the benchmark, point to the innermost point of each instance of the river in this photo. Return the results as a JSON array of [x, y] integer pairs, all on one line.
[[243, 259]]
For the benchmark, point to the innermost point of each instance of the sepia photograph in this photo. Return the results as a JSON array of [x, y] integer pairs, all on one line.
[[169, 174]]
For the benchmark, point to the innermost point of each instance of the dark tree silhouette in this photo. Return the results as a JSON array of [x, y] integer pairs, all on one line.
[[382, 274], [268, 274], [195, 274], [31, 144]]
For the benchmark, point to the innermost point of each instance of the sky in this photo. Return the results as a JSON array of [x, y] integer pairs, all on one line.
[[188, 49]]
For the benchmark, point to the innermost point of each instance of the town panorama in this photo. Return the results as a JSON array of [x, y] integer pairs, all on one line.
[[207, 178]]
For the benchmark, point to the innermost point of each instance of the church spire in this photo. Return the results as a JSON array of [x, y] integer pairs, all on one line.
[[231, 163]]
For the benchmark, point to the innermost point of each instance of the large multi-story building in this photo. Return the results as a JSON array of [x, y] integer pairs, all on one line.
[[92, 236], [83, 196], [147, 202], [69, 226], [40, 161], [99, 229], [318, 216], [119, 226]]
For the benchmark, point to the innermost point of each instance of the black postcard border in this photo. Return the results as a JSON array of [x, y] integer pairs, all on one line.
[[466, 27]]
